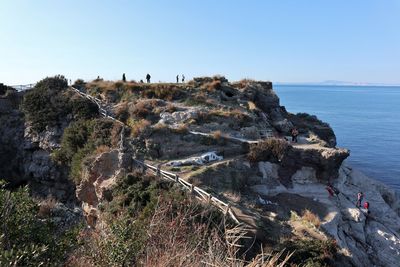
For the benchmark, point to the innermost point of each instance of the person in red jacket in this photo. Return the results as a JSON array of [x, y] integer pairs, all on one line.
[[366, 206]]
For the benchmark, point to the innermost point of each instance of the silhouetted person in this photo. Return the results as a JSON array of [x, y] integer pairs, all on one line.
[[183, 78], [177, 78], [141, 81], [123, 77], [294, 133], [148, 77]]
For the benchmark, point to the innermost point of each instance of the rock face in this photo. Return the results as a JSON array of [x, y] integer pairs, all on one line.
[[25, 155], [368, 239], [99, 177], [325, 161]]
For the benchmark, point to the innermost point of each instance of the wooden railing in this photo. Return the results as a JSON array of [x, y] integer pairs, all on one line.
[[102, 108], [23, 87], [196, 191]]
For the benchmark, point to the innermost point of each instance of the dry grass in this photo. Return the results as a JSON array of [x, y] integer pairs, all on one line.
[[145, 108], [102, 149], [312, 218], [251, 105], [138, 128], [121, 111], [181, 129], [242, 83], [162, 91], [170, 108], [270, 149], [46, 206], [217, 135], [212, 86]]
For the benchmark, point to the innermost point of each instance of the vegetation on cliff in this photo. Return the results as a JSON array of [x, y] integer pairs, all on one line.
[[49, 103], [140, 220], [28, 237]]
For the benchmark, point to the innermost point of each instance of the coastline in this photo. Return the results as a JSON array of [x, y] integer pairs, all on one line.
[[369, 239]]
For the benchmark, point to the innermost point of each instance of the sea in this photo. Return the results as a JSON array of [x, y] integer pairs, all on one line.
[[365, 119]]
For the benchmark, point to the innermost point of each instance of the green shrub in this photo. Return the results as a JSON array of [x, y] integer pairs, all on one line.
[[149, 219], [268, 150], [45, 104], [56, 83], [4, 88], [80, 140], [79, 83], [83, 108], [311, 252], [25, 239], [48, 104]]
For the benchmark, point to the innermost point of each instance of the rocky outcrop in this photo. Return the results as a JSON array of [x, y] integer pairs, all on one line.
[[25, 155], [99, 177], [325, 161], [367, 239], [178, 117]]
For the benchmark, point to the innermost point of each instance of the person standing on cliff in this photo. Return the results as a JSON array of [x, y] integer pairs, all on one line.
[[366, 207], [183, 78], [360, 196], [148, 77], [294, 134], [177, 78]]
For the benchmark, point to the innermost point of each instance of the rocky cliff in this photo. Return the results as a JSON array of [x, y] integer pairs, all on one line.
[[26, 154], [269, 180]]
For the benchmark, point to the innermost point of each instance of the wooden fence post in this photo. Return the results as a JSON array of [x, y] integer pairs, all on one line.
[[176, 178], [209, 198], [158, 171]]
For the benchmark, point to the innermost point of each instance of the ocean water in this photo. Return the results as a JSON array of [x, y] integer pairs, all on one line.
[[366, 120]]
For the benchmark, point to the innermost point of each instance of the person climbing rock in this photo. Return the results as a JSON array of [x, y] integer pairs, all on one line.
[[330, 190], [294, 133], [366, 206], [148, 77], [183, 78], [360, 196], [177, 78]]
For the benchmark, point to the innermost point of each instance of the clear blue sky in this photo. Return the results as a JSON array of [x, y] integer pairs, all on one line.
[[285, 41]]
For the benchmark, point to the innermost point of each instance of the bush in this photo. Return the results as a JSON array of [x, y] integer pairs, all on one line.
[[151, 222], [45, 105], [80, 140], [165, 92], [25, 239], [79, 83], [268, 150], [139, 128], [144, 109], [311, 252], [212, 86], [83, 108], [122, 112], [56, 83], [311, 218], [4, 88]]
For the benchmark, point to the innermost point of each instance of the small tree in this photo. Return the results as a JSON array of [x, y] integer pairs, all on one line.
[[123, 77]]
